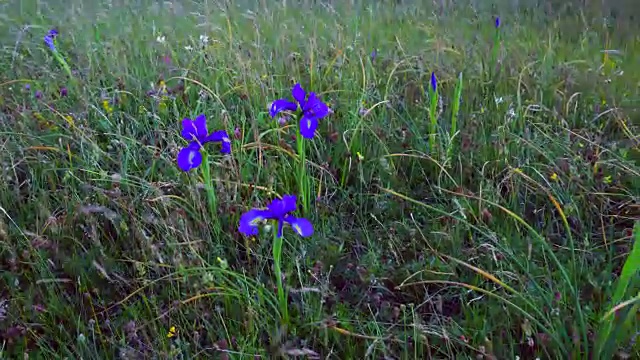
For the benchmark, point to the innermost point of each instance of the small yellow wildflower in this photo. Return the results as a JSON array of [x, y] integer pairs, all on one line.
[[162, 88], [607, 179], [554, 177], [172, 332], [69, 119], [360, 156], [44, 123], [108, 108]]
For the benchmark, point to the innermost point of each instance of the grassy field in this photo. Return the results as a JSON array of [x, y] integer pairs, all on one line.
[[473, 189]]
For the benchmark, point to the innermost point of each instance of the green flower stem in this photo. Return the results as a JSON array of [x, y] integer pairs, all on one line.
[[277, 261], [63, 63], [433, 97], [303, 188], [494, 54], [60, 59], [212, 200]]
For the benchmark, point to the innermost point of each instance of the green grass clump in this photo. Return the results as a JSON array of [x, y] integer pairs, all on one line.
[[496, 217]]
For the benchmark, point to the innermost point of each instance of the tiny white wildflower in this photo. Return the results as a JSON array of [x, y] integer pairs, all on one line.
[[188, 48], [161, 39], [204, 40], [511, 114]]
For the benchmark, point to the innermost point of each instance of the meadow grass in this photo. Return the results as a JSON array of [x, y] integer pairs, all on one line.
[[492, 221]]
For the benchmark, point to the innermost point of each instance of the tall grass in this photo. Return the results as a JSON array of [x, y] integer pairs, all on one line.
[[513, 239]]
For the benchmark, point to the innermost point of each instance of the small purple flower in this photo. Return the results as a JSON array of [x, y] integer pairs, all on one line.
[[434, 82], [38, 94], [27, 86], [313, 109], [49, 39], [280, 211], [497, 22], [196, 132], [374, 55], [63, 91]]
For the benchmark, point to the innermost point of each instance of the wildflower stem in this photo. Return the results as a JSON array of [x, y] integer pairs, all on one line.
[[433, 97], [63, 63], [277, 261], [212, 200], [494, 54], [302, 174], [60, 59]]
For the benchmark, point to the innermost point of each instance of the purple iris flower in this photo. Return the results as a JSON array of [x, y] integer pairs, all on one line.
[[48, 39], [313, 109], [434, 82], [280, 211], [497, 22], [196, 131]]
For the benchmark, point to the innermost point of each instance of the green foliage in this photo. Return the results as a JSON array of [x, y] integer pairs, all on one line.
[[513, 239]]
